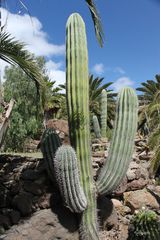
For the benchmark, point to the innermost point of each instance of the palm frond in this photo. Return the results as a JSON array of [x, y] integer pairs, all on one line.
[[13, 52], [97, 21]]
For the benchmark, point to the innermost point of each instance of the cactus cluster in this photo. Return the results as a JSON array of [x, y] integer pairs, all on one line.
[[144, 226], [77, 187]]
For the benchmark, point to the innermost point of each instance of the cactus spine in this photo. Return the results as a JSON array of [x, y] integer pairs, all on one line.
[[144, 226], [96, 127], [122, 143], [77, 86], [67, 177], [103, 113]]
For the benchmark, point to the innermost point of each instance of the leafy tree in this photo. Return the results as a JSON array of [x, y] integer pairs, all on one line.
[[27, 115]]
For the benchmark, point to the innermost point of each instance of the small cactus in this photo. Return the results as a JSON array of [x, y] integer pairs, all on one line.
[[103, 113], [96, 127], [144, 226]]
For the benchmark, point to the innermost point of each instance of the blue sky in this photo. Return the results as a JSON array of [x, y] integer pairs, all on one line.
[[131, 52]]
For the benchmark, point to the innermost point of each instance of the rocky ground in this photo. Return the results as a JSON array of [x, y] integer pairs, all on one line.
[[31, 207]]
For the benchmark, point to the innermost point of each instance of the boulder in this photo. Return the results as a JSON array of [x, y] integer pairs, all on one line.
[[42, 225], [140, 198]]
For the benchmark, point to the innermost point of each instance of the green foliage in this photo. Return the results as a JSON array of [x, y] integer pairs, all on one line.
[[144, 226], [150, 116], [16, 133], [96, 20], [27, 115]]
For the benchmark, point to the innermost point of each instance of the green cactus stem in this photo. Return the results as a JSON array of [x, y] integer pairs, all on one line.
[[77, 92], [68, 180], [122, 143], [96, 127], [144, 226], [103, 113], [50, 142]]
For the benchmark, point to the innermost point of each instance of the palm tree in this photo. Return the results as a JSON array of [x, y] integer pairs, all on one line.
[[151, 108], [147, 102]]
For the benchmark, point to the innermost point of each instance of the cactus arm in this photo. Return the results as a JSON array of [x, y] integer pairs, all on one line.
[[50, 142], [96, 127], [67, 178], [122, 143], [103, 113], [77, 92]]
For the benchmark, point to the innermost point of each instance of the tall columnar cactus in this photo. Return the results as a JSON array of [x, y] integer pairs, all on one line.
[[77, 91], [121, 148], [96, 127], [67, 178], [64, 165], [103, 113], [144, 226]]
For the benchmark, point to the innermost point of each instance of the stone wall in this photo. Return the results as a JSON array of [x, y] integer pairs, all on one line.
[[26, 191]]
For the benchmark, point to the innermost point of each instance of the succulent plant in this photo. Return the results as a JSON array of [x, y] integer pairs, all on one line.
[[96, 127], [64, 166], [144, 226], [103, 113]]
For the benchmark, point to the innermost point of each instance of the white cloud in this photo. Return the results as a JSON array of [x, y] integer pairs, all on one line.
[[119, 70], [122, 82], [98, 68], [30, 31], [55, 72]]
